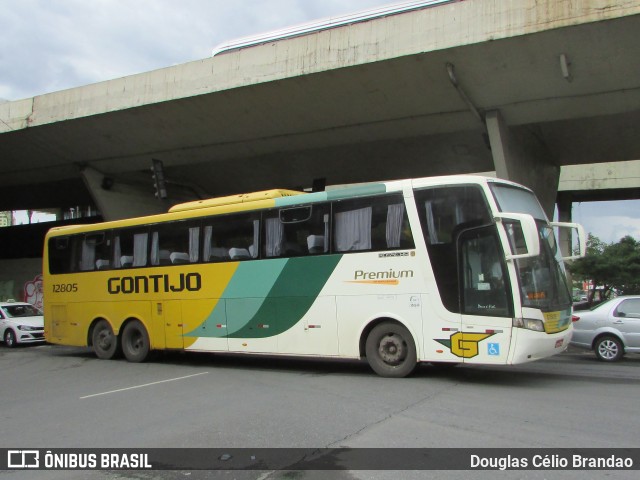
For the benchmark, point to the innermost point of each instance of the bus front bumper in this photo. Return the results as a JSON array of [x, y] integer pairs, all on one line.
[[528, 345]]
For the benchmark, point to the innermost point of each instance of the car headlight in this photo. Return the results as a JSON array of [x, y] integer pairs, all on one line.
[[28, 328]]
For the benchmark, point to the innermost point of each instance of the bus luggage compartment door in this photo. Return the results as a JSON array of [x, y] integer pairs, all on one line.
[[59, 325], [250, 325], [168, 314]]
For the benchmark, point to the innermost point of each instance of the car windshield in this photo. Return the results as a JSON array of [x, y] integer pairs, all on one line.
[[24, 310]]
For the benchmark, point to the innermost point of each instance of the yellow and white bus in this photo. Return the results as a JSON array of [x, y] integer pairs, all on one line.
[[442, 270]]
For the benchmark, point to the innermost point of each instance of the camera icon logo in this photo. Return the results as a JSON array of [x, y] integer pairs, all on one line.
[[23, 459]]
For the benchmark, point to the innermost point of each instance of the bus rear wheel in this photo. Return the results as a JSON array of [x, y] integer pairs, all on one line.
[[105, 343], [391, 351], [135, 342]]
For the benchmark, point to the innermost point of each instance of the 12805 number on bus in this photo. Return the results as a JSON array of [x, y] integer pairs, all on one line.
[[65, 287]]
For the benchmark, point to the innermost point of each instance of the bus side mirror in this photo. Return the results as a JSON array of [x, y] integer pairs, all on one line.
[[522, 232], [582, 238]]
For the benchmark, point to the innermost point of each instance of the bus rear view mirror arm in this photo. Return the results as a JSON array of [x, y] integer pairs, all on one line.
[[529, 233], [582, 238]]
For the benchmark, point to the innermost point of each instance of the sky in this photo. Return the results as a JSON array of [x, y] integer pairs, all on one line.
[[51, 45], [609, 221]]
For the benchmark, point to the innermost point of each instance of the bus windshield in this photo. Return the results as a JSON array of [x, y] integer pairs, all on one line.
[[542, 279]]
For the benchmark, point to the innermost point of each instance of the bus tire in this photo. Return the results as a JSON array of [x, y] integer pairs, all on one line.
[[391, 351], [135, 342], [104, 341]]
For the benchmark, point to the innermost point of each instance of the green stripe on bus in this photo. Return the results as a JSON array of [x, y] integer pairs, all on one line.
[[266, 298], [251, 279], [289, 300], [254, 278]]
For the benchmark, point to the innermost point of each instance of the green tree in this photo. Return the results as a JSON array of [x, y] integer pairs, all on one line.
[[614, 266]]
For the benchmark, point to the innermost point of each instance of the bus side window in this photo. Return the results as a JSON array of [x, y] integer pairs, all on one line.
[[175, 243], [130, 248], [211, 249], [352, 228], [316, 231], [372, 223], [274, 236], [390, 229], [61, 255], [296, 231], [231, 237], [87, 254], [95, 252]]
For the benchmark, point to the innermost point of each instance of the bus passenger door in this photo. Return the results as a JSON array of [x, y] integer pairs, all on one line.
[[485, 300], [168, 315]]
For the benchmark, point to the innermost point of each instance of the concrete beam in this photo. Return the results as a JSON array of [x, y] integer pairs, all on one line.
[[600, 176], [117, 200], [429, 30], [523, 159]]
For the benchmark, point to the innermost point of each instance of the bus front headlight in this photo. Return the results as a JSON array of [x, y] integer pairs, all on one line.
[[529, 324]]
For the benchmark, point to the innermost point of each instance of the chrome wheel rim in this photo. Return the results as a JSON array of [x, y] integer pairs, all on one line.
[[608, 349]]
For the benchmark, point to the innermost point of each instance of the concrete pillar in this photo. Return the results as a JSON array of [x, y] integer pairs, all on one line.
[[117, 199], [522, 158]]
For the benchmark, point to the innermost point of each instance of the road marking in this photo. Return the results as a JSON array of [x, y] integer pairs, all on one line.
[[141, 386]]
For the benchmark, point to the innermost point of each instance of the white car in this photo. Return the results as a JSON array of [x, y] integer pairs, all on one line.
[[20, 323]]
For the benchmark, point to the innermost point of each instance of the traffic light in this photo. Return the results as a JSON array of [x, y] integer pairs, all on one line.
[[158, 179]]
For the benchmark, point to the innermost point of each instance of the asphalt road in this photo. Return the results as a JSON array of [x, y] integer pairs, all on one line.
[[55, 397]]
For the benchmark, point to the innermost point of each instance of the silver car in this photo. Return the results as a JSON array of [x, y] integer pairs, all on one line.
[[611, 329]]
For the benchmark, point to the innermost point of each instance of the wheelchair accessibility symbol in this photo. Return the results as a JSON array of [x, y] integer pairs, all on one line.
[[493, 349]]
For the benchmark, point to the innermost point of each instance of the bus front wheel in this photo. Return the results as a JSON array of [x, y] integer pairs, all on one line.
[[391, 351], [135, 342], [105, 343]]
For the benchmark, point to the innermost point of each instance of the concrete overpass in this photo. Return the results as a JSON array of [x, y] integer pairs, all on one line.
[[520, 87]]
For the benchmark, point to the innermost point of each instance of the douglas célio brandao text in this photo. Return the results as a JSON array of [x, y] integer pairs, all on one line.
[[550, 462]]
